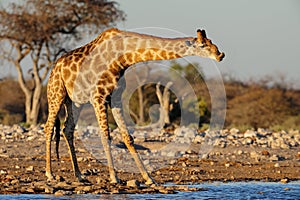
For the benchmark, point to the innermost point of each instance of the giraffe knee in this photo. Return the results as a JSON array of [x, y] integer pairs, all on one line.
[[68, 133], [49, 131], [128, 139], [107, 136]]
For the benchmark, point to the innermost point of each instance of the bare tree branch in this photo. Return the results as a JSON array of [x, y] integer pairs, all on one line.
[[41, 29]]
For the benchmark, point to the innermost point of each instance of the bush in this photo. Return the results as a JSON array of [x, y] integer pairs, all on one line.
[[258, 106], [11, 119]]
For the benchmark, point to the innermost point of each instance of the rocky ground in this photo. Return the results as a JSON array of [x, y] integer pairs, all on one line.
[[180, 156]]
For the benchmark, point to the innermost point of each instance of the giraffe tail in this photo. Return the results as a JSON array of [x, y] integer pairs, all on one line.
[[56, 136]]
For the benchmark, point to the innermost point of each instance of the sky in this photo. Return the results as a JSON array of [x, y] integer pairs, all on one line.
[[259, 38]]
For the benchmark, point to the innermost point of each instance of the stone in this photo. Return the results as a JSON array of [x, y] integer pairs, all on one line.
[[63, 185], [133, 183], [250, 134], [234, 131], [30, 168], [146, 162], [274, 158], [2, 150], [29, 190], [231, 137], [253, 154], [4, 155], [240, 152], [81, 150], [265, 153], [284, 146], [62, 193], [205, 156], [31, 138], [227, 164], [49, 190], [80, 159], [284, 180], [171, 154], [86, 189], [172, 162], [248, 141], [15, 181], [198, 139], [277, 165]]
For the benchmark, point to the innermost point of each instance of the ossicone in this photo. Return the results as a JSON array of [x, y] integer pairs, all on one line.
[[201, 34]]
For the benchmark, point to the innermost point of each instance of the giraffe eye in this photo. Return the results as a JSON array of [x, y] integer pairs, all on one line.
[[202, 46]]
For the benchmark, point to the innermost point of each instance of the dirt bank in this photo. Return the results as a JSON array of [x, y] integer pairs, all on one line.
[[22, 166]]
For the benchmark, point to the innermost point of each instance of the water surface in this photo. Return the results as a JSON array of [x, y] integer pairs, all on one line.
[[216, 190]]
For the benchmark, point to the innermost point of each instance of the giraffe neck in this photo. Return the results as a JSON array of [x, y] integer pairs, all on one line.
[[131, 48]]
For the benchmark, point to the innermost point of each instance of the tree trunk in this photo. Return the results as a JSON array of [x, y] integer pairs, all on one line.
[[32, 96], [164, 101], [35, 106], [28, 104], [32, 104], [141, 106]]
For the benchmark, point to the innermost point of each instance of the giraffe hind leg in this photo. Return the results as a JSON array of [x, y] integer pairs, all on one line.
[[56, 136], [72, 116]]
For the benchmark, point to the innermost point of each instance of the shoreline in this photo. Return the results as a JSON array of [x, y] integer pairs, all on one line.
[[231, 157]]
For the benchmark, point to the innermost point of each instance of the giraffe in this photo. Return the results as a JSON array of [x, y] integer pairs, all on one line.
[[90, 74]]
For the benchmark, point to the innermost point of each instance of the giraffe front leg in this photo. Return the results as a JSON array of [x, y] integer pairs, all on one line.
[[101, 115], [128, 140]]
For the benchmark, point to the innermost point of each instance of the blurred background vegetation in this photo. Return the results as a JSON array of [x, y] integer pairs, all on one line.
[[40, 31], [261, 104]]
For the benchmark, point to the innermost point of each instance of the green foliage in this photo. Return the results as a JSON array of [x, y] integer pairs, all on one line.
[[202, 107], [25, 125], [291, 122], [191, 72], [149, 99], [10, 119]]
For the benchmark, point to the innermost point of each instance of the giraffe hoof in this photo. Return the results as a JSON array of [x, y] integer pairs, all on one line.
[[115, 181], [51, 179], [83, 179], [150, 182]]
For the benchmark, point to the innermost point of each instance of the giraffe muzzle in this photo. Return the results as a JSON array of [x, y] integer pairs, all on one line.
[[220, 57]]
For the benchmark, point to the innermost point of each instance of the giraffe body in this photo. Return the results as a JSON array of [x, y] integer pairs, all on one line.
[[90, 74]]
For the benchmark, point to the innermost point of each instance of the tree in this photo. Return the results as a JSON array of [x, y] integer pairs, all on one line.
[[37, 32], [141, 77], [164, 101]]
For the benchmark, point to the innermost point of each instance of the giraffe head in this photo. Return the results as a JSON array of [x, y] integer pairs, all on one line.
[[202, 46]]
